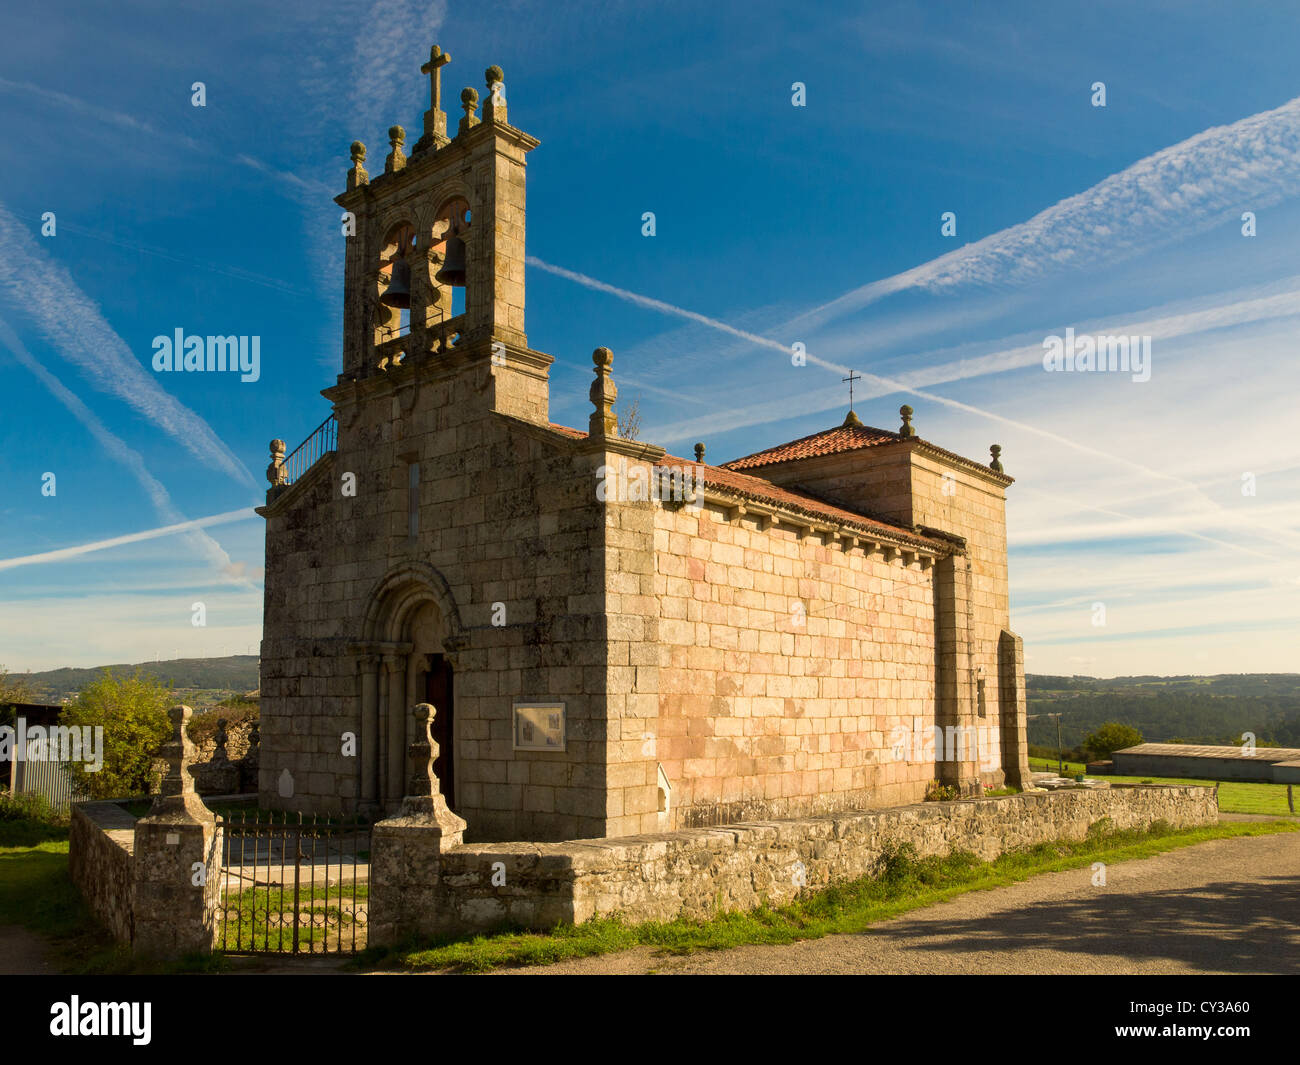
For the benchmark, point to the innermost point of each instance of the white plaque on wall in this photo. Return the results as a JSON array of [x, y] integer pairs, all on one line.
[[539, 726]]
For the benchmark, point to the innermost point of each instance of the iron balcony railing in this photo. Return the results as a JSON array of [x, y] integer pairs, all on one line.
[[310, 451]]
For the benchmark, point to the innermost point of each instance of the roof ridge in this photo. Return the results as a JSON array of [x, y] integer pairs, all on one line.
[[852, 431]]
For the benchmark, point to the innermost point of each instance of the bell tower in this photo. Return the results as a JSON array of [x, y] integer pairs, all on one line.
[[434, 269]]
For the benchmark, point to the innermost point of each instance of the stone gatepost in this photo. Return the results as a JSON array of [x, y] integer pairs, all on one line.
[[406, 850], [176, 868]]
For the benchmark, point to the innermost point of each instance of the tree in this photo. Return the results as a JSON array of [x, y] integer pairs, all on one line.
[[629, 421], [132, 711], [1109, 738], [12, 690]]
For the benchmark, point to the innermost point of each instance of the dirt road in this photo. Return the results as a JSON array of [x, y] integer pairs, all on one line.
[[1227, 906]]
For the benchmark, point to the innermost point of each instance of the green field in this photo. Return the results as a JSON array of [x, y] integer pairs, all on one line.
[[1235, 797]]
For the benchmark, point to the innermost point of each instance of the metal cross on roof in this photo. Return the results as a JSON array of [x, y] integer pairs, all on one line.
[[853, 376]]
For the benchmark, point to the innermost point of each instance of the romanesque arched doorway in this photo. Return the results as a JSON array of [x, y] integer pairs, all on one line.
[[406, 656]]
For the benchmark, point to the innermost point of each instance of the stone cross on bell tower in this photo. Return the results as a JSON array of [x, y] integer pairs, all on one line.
[[435, 260], [435, 119]]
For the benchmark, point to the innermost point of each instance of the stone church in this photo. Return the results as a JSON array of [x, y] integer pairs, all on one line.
[[616, 640]]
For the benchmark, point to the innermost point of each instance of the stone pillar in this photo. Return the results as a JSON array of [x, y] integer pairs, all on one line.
[[395, 756], [1014, 709], [406, 850], [176, 867], [369, 665], [956, 745]]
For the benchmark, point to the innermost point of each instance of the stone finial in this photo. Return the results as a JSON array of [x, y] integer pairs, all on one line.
[[699, 453], [604, 422], [275, 472], [425, 802], [494, 105], [423, 753], [906, 429], [469, 101], [177, 798], [851, 421], [996, 451], [357, 176], [396, 158]]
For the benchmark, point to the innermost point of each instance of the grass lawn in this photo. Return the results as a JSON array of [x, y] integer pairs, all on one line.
[[37, 894], [905, 883], [1235, 797]]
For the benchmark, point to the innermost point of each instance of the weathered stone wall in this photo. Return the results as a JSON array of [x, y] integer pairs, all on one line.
[[698, 872], [787, 666], [507, 514], [101, 844], [914, 484]]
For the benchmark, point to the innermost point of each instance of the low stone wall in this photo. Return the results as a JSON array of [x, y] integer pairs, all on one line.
[[698, 872], [100, 851], [153, 881]]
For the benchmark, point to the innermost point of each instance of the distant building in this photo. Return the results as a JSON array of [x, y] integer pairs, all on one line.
[[1278, 765], [42, 777]]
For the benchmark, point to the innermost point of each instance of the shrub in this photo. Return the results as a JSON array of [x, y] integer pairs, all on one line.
[[132, 711], [940, 792], [1109, 738], [29, 807]]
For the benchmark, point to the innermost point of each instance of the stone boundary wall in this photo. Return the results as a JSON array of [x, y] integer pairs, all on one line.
[[101, 849], [698, 872]]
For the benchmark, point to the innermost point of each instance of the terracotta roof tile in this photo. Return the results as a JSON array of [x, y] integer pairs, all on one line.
[[760, 490], [827, 442]]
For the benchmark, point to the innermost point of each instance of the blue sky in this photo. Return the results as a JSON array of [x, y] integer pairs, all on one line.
[[775, 224]]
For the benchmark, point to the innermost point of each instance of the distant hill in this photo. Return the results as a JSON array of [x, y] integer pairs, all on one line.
[[1187, 709], [1191, 709], [238, 673]]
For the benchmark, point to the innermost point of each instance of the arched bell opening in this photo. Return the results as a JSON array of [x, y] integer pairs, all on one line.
[[449, 266], [396, 259]]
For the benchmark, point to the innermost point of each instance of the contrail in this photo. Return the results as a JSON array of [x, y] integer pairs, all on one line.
[[130, 538], [1186, 188], [117, 449], [73, 323]]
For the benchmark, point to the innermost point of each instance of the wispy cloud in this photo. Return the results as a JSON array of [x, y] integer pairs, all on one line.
[[118, 450], [72, 322], [64, 553], [1184, 189]]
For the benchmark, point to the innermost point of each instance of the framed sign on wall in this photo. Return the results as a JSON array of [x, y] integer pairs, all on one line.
[[539, 727]]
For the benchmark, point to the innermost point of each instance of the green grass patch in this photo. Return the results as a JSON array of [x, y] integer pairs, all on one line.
[[36, 893], [903, 882], [262, 918], [1235, 796]]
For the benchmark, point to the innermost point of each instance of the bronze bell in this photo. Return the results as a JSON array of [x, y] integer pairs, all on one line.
[[453, 264], [398, 292]]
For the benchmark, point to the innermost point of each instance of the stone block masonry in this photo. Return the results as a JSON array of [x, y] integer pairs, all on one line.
[[700, 872]]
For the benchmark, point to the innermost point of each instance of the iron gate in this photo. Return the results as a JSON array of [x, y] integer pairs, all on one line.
[[292, 884]]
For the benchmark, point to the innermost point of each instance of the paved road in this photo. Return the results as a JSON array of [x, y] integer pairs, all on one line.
[[1228, 906]]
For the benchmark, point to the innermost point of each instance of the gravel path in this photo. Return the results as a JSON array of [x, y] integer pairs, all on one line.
[[1227, 906], [23, 953]]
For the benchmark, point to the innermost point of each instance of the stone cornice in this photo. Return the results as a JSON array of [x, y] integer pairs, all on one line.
[[420, 165]]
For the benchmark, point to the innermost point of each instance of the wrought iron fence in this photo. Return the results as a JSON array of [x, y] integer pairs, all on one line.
[[290, 885], [323, 440]]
